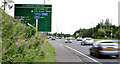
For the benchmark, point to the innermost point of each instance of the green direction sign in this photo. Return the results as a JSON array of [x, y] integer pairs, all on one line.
[[30, 12]]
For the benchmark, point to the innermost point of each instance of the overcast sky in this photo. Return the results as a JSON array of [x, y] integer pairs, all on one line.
[[70, 15]]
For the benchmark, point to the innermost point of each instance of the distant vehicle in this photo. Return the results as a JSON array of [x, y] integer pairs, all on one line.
[[68, 40], [59, 37], [62, 37], [105, 47], [79, 38], [87, 40], [53, 38], [47, 37], [72, 38]]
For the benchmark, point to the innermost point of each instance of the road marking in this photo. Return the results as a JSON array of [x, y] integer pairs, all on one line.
[[82, 54], [60, 44]]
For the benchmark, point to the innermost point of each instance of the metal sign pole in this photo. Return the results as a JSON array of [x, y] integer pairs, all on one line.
[[36, 24]]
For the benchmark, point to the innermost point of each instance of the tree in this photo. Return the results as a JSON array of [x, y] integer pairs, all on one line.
[[102, 24], [107, 23], [55, 34], [117, 34], [101, 33], [108, 32]]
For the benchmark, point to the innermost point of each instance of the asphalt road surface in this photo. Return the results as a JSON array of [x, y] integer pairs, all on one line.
[[85, 50]]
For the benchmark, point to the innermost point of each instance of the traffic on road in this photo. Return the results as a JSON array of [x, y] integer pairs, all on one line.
[[101, 51]]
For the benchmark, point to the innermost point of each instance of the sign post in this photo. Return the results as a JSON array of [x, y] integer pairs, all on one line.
[[36, 24]]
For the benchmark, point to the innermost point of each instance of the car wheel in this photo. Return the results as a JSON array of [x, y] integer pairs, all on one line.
[[91, 53], [99, 56], [117, 56], [81, 43]]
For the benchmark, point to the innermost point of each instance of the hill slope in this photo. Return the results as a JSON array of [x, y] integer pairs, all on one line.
[[21, 43]]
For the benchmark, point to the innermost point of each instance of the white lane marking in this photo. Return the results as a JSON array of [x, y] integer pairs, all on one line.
[[82, 54], [60, 44]]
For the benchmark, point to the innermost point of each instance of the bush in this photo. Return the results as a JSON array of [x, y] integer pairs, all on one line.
[[117, 34], [20, 43]]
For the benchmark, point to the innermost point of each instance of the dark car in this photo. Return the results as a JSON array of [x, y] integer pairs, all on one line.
[[53, 38], [104, 47]]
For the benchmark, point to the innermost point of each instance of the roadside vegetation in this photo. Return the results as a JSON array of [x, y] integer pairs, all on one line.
[[101, 31], [96, 40], [117, 41], [21, 43]]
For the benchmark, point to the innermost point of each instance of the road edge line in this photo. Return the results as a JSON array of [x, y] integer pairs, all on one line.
[[82, 54]]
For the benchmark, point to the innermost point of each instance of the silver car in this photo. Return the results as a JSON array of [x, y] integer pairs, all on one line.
[[104, 47], [87, 40], [68, 40], [79, 38]]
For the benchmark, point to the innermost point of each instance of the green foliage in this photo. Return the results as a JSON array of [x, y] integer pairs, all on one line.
[[117, 41], [101, 33], [117, 34], [108, 32], [101, 30], [20, 43]]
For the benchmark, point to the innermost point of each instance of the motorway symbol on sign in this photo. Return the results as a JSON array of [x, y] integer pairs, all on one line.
[[36, 17], [37, 13], [43, 33]]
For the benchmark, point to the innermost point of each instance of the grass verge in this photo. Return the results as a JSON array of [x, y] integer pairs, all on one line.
[[117, 41], [49, 53], [96, 40]]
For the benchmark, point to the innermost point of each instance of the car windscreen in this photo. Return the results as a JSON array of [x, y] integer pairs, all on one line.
[[68, 39], [88, 39], [108, 44]]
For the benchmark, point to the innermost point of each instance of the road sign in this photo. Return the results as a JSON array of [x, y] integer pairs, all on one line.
[[30, 12], [43, 33], [36, 17], [77, 34]]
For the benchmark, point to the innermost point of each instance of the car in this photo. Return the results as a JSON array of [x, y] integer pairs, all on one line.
[[48, 37], [87, 41], [79, 38], [68, 40], [72, 38], [53, 38], [104, 47], [59, 37]]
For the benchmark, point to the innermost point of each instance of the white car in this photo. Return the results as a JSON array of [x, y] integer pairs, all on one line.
[[72, 38], [87, 41], [79, 38], [68, 40]]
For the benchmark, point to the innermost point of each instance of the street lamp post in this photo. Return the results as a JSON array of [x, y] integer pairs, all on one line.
[[5, 3], [111, 29]]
